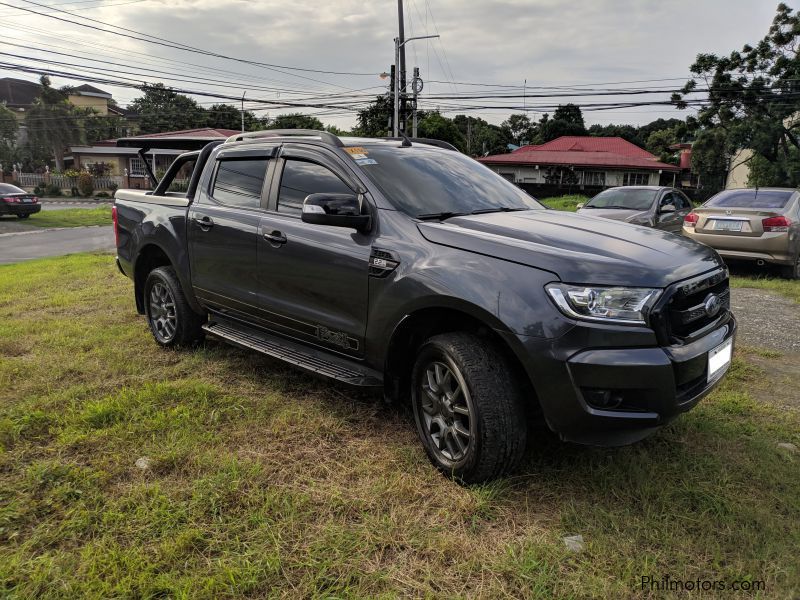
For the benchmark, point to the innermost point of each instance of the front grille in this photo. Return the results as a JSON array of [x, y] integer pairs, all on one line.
[[683, 313]]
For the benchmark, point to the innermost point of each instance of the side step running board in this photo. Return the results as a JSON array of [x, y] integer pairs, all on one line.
[[296, 354]]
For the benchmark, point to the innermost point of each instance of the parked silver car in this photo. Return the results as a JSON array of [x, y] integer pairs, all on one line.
[[651, 206]]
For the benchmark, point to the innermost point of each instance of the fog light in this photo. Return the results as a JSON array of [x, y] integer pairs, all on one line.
[[603, 399]]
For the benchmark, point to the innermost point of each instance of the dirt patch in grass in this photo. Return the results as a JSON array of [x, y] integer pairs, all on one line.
[[263, 482]]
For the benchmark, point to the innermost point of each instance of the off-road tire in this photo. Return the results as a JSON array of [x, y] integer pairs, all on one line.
[[186, 328], [497, 422]]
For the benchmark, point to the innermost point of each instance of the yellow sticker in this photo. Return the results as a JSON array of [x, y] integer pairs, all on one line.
[[355, 150]]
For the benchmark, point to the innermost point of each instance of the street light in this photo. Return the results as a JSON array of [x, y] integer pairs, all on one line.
[[397, 45]]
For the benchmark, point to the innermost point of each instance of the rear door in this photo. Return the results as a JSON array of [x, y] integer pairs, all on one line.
[[223, 230], [314, 278]]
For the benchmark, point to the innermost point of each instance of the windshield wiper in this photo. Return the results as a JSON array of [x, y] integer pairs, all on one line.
[[440, 216], [483, 211], [612, 206]]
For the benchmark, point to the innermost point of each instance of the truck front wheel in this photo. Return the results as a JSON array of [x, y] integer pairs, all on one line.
[[172, 321], [467, 407]]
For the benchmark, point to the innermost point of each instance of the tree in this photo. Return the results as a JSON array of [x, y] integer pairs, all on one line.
[[375, 119], [162, 109], [436, 126], [8, 135], [567, 120], [227, 116], [53, 123], [520, 128], [101, 127], [569, 113], [753, 97], [295, 121], [710, 155], [482, 138]]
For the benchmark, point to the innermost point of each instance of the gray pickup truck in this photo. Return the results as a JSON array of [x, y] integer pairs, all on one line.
[[403, 265]]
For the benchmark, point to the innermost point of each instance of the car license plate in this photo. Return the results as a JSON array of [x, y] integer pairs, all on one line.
[[719, 359], [26, 199], [725, 225]]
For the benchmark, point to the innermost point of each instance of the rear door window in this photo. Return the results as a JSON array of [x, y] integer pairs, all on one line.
[[751, 199], [239, 182]]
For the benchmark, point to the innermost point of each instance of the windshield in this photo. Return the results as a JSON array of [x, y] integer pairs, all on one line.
[[6, 188], [624, 198], [751, 199], [425, 181]]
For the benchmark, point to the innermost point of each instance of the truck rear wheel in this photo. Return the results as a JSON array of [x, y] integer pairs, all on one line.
[[172, 321], [467, 407], [792, 271]]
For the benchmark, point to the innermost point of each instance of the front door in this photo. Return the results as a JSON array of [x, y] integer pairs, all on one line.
[[673, 220], [314, 278], [223, 232]]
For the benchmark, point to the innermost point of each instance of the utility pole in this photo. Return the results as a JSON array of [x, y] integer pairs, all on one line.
[[243, 95], [416, 87], [401, 63], [398, 90]]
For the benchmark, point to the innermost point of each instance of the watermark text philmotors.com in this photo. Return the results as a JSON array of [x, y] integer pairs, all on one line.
[[666, 583]]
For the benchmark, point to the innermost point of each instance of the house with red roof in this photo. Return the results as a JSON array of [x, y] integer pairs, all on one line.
[[128, 163], [581, 163]]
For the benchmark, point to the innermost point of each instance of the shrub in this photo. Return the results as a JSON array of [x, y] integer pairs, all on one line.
[[38, 190], [100, 169], [102, 195], [72, 173], [53, 190], [85, 184]]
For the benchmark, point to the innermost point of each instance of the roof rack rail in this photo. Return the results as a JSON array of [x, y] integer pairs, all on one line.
[[324, 136], [429, 141]]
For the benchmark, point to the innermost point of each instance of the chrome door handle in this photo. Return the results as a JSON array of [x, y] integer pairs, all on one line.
[[275, 237], [204, 221]]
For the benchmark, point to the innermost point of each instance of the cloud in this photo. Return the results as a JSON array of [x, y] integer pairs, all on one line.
[[546, 42]]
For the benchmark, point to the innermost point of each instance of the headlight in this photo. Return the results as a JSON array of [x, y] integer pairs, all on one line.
[[610, 304]]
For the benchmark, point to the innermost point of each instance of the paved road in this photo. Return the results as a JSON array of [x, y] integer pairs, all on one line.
[[27, 245]]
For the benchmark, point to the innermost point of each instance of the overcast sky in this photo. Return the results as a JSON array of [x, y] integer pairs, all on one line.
[[546, 42]]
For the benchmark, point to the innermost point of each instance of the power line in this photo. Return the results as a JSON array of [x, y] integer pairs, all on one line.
[[168, 43]]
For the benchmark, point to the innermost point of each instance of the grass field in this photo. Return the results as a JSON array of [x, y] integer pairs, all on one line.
[[262, 482], [569, 203], [71, 217]]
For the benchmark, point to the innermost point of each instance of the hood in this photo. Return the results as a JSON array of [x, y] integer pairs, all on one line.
[[616, 214], [577, 248]]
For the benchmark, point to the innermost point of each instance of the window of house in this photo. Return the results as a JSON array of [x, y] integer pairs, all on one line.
[[509, 176], [595, 178], [636, 179], [301, 178], [239, 182], [136, 167]]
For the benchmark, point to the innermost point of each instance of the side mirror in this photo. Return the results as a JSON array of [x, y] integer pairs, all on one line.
[[337, 210], [667, 208], [580, 205]]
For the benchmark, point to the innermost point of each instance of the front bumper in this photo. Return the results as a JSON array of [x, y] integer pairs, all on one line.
[[655, 383], [15, 208]]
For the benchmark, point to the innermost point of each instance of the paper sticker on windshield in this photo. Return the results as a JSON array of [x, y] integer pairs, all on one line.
[[366, 161], [356, 150]]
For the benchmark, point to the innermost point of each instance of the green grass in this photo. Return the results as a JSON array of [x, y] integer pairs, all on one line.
[[264, 482], [568, 203], [71, 217], [785, 287]]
